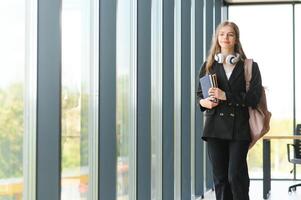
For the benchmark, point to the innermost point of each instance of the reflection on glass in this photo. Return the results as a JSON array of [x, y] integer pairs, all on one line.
[[12, 68], [123, 112], [156, 99], [77, 98], [267, 37], [298, 61]]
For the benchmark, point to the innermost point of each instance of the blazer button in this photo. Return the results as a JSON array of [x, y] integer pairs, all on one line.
[[229, 104], [221, 114], [232, 114], [237, 105]]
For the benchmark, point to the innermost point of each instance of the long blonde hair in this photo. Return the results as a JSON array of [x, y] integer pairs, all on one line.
[[215, 47]]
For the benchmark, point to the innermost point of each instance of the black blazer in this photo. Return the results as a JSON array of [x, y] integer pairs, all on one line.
[[230, 119]]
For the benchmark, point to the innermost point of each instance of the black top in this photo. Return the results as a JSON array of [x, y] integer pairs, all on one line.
[[230, 119]]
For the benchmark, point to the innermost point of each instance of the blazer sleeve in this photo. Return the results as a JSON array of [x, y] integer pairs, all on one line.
[[199, 92]]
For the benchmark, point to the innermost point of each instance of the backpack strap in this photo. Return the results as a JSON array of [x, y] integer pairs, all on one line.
[[248, 71]]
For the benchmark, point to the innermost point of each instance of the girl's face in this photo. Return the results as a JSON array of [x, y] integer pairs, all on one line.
[[227, 38]]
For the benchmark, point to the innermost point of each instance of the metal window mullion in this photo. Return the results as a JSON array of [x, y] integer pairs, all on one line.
[[217, 10], [107, 101], [208, 30], [192, 98], [199, 172], [204, 57], [294, 66], [294, 76], [144, 100], [185, 102], [48, 162], [168, 100]]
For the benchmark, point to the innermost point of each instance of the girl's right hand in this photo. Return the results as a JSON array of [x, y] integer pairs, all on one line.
[[208, 103]]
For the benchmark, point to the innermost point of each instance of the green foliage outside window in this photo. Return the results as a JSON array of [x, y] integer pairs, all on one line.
[[74, 129], [11, 131]]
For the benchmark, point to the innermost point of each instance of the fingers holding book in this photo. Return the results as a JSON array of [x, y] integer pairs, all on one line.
[[217, 93], [208, 103]]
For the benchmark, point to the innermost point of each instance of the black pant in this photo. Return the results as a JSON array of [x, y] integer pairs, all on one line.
[[230, 169]]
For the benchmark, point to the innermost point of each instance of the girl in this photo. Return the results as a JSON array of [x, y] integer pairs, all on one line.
[[226, 127]]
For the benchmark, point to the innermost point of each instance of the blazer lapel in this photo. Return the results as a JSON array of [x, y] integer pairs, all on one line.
[[237, 72], [222, 77]]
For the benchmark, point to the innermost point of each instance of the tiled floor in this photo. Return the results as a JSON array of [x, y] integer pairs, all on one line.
[[279, 191]]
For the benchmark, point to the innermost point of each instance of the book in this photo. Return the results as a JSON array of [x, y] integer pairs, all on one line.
[[208, 81]]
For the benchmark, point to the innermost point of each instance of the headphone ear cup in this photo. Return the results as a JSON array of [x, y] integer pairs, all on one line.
[[231, 59], [219, 58]]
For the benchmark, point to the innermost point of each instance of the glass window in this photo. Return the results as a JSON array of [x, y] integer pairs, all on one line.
[[156, 99], [298, 70], [177, 99], [17, 98], [298, 61], [126, 99], [79, 99], [266, 36]]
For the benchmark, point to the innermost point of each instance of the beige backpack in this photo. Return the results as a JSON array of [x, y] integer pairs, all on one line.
[[260, 116]]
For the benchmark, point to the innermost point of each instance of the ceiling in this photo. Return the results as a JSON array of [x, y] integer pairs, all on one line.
[[260, 1]]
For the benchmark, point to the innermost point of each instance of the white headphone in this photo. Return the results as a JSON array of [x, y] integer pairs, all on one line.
[[230, 59]]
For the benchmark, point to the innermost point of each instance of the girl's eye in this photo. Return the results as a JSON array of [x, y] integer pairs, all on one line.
[[228, 34]]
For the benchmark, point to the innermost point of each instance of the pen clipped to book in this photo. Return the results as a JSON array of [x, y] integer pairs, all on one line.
[[208, 81]]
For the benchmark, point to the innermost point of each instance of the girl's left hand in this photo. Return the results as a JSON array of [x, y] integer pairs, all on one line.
[[217, 93]]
